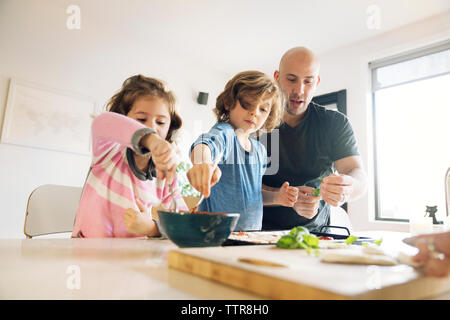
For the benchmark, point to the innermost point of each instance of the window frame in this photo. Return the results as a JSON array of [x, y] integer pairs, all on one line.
[[398, 58]]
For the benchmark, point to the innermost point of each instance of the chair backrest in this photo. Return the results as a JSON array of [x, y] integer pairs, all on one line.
[[339, 217], [51, 209]]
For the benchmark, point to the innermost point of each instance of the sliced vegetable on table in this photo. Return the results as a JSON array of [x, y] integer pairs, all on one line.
[[299, 238]]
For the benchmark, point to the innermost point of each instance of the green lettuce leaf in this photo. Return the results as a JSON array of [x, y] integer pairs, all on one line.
[[299, 238]]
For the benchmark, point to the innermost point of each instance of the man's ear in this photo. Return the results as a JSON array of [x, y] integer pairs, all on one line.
[[318, 80], [276, 75]]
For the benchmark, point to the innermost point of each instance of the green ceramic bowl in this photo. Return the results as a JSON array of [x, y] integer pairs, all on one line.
[[206, 229]]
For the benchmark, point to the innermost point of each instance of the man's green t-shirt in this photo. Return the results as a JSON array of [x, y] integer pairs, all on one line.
[[306, 152]]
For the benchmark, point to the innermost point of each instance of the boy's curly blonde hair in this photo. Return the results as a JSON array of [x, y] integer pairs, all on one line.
[[251, 85], [139, 86]]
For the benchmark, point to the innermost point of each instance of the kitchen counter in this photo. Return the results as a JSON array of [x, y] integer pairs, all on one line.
[[109, 269]]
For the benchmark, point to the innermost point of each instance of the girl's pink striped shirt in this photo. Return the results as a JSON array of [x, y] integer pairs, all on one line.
[[114, 183]]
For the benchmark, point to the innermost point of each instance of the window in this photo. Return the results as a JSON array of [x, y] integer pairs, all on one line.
[[411, 112]]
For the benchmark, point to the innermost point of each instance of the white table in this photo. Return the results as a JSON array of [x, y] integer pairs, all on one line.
[[102, 269], [107, 269]]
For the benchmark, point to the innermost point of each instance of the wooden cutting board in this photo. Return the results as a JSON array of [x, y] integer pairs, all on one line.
[[292, 274]]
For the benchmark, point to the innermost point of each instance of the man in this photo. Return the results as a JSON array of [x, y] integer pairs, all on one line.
[[313, 143]]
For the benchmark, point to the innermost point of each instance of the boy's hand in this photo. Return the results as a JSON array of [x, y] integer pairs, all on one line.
[[203, 176], [287, 196], [140, 223], [164, 156]]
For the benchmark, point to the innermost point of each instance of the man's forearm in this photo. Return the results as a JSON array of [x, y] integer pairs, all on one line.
[[359, 183]]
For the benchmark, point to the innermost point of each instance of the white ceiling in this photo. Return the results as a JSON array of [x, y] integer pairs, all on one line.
[[230, 35], [225, 36]]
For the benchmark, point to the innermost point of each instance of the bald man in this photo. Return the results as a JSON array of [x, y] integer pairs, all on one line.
[[313, 143]]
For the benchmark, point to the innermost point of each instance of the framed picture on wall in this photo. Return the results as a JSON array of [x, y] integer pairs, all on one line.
[[46, 118], [334, 101]]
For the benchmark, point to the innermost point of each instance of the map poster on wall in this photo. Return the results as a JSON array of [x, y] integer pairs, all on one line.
[[46, 118]]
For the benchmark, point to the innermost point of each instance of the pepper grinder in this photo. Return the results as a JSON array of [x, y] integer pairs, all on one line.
[[431, 212]]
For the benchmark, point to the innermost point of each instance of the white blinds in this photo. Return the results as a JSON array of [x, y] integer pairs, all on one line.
[[411, 66]]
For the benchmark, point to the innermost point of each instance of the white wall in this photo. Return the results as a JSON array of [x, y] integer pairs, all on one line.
[[347, 68], [121, 38], [93, 61]]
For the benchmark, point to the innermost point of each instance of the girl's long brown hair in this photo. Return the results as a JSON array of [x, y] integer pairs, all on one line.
[[139, 86]]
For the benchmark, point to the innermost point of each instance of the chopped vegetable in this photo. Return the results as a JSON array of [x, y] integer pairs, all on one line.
[[299, 238], [317, 190], [325, 238], [311, 240], [378, 242], [351, 239], [298, 230], [315, 183], [288, 242]]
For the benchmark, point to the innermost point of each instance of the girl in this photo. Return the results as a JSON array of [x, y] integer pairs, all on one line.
[[133, 159], [249, 102]]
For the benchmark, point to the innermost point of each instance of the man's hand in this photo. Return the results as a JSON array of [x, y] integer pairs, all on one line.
[[307, 204], [203, 176], [287, 196], [336, 189]]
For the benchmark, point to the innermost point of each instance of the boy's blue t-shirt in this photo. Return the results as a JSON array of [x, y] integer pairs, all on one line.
[[239, 188]]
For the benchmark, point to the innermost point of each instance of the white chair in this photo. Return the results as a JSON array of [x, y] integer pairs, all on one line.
[[51, 209], [339, 217]]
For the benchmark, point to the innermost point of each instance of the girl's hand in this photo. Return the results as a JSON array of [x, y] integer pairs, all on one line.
[[203, 176], [287, 196], [164, 156], [140, 223]]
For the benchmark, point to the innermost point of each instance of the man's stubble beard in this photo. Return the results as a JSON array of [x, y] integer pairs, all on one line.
[[287, 105], [300, 111]]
